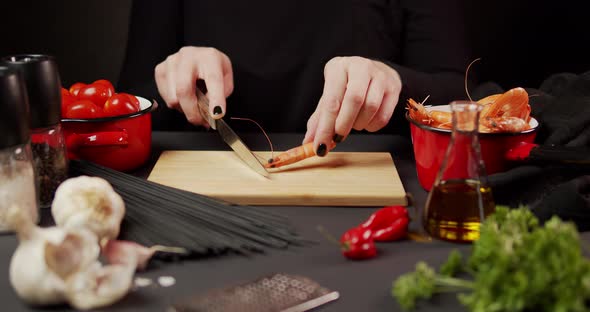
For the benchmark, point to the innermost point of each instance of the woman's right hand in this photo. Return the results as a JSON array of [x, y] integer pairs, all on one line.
[[176, 79]]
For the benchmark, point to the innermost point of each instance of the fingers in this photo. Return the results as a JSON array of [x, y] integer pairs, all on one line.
[[354, 98], [329, 105], [177, 76], [381, 118], [392, 87], [373, 102], [358, 93], [165, 81], [312, 125], [210, 68], [228, 76], [185, 89]]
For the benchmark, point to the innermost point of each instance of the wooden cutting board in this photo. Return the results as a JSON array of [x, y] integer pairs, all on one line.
[[339, 179]]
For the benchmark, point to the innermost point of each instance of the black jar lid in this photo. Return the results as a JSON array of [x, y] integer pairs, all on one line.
[[43, 86], [14, 109]]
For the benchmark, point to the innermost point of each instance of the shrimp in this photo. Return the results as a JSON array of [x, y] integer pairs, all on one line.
[[438, 119], [504, 112], [293, 155], [418, 112], [503, 124], [512, 103], [442, 119], [489, 99]]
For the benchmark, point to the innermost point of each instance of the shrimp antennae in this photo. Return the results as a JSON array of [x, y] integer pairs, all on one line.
[[466, 74], [263, 132]]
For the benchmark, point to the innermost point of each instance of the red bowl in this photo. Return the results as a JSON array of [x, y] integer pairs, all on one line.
[[430, 144], [121, 142]]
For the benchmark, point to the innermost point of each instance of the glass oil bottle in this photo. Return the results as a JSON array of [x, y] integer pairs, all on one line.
[[460, 197]]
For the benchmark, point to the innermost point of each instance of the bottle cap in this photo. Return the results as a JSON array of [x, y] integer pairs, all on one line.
[[14, 109], [43, 86]]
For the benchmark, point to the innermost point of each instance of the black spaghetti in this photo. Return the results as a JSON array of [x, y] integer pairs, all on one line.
[[161, 215]]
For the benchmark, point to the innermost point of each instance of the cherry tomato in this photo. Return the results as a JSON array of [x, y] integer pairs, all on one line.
[[120, 104], [64, 91], [83, 109], [107, 84], [133, 99], [66, 100], [97, 93], [75, 88]]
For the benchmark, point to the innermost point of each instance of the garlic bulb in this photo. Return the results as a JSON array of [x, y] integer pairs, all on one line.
[[57, 265], [99, 286], [89, 202], [45, 256]]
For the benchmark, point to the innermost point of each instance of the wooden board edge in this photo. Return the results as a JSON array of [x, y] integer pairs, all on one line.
[[312, 201]]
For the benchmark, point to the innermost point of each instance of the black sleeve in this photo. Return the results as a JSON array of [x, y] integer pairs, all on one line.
[[434, 55], [154, 33], [435, 51]]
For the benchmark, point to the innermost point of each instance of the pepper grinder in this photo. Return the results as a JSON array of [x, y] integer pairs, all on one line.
[[43, 86], [17, 175]]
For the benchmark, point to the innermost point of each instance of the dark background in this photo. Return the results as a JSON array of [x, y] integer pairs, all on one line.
[[520, 42]]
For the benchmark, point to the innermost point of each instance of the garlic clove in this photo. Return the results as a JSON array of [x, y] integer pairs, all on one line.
[[30, 277], [126, 252], [99, 286], [89, 202], [78, 249]]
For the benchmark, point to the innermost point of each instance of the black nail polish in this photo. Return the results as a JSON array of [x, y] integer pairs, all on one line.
[[322, 149], [337, 138], [217, 110], [270, 160]]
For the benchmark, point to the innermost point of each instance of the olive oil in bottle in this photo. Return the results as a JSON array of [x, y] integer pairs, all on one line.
[[460, 198], [455, 209]]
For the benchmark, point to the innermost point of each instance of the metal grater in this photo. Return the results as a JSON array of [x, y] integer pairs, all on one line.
[[274, 293]]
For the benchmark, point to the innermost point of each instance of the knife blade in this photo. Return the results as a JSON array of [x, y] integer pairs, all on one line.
[[229, 136]]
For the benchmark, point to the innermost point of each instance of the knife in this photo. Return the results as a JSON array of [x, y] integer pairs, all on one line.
[[229, 136]]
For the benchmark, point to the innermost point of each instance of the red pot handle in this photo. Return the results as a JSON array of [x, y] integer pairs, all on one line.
[[107, 138]]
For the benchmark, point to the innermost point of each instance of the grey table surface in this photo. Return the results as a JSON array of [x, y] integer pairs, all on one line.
[[362, 285]]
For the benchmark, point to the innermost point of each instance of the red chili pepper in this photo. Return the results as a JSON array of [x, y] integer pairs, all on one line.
[[388, 223], [397, 230], [357, 243]]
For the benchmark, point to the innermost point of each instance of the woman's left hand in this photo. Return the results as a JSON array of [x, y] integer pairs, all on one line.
[[358, 93]]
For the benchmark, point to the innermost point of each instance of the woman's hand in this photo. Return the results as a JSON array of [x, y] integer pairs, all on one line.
[[176, 79], [358, 93]]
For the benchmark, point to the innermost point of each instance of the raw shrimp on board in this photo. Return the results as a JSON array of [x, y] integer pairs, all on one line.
[[287, 157], [293, 155]]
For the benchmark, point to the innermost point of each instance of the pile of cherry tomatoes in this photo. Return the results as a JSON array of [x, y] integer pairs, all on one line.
[[96, 100]]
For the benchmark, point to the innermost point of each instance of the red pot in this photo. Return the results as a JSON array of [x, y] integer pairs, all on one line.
[[431, 143], [121, 142]]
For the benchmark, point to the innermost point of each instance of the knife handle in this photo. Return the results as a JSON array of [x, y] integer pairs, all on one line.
[[203, 104]]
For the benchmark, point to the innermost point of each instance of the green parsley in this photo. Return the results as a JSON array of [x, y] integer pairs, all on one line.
[[515, 265]]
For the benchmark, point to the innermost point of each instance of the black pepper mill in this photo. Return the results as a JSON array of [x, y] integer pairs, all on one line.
[[43, 86], [17, 175]]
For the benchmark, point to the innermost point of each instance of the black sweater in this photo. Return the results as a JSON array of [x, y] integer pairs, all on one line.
[[278, 51]]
